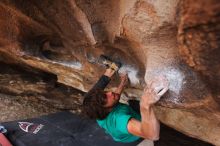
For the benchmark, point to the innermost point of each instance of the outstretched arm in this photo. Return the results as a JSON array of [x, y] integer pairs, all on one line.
[[102, 82], [104, 79], [149, 126]]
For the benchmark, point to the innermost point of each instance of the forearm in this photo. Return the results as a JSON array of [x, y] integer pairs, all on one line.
[[120, 88], [149, 124], [103, 80]]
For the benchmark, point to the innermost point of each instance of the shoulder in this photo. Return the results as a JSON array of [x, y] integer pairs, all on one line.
[[122, 108], [118, 117]]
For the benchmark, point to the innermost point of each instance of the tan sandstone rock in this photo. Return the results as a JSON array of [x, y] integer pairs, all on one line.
[[175, 38]]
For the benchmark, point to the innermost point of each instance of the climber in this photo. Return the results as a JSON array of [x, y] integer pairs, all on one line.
[[120, 120]]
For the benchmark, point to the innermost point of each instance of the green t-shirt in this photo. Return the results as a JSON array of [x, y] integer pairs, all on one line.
[[116, 122]]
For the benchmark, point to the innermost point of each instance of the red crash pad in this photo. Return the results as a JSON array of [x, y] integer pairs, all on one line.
[[4, 141]]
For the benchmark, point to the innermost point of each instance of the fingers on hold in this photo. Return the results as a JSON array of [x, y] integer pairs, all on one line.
[[162, 92], [157, 98]]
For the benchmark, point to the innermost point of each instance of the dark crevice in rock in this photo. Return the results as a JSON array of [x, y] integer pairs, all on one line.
[[170, 137], [18, 81]]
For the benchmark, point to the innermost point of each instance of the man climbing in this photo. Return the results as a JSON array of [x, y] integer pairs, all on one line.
[[120, 120]]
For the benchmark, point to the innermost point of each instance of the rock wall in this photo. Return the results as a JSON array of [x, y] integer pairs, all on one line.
[[175, 38]]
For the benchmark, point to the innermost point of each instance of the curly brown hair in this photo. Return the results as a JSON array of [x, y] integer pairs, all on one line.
[[93, 104]]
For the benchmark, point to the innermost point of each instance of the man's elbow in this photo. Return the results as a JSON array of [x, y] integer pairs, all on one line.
[[152, 136]]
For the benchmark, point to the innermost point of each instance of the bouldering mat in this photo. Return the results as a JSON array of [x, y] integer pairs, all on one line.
[[59, 129]]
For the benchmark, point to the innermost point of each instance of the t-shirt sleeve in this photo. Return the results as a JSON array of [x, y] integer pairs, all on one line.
[[122, 122]]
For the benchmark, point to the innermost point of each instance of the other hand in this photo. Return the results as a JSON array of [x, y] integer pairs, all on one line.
[[154, 90], [123, 78]]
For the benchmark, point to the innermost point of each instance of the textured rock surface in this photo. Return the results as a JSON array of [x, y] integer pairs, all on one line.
[[28, 94], [175, 38]]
